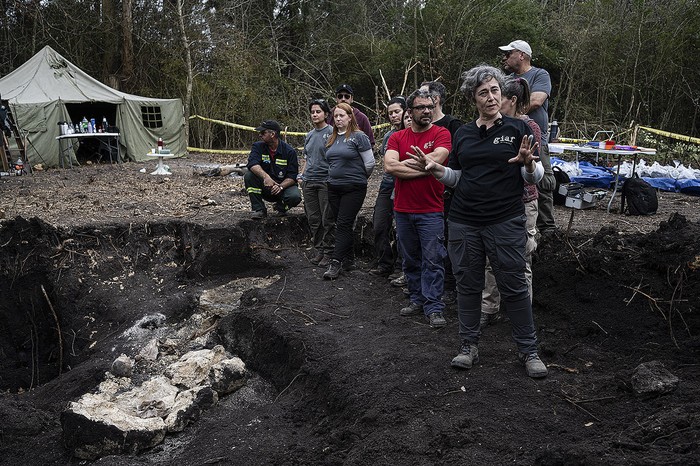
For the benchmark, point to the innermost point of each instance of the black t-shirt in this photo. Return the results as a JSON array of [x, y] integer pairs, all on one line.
[[490, 189], [451, 123]]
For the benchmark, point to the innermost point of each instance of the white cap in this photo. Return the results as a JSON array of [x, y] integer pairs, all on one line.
[[517, 45]]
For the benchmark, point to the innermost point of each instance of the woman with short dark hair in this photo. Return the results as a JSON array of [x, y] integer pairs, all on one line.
[[314, 182], [492, 158]]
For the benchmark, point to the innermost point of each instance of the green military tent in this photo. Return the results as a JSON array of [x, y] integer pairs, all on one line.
[[48, 89]]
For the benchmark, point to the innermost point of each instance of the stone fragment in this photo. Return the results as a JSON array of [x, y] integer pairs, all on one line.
[[193, 367], [651, 378], [153, 398], [228, 376], [188, 407], [94, 427], [150, 351], [123, 366]]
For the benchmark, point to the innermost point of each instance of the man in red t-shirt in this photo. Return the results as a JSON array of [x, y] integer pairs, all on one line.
[[418, 207]]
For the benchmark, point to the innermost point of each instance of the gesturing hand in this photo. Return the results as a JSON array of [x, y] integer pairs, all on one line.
[[526, 154], [421, 161]]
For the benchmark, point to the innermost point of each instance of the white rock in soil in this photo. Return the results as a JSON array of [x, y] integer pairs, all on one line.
[[153, 398], [228, 375], [150, 351], [94, 426], [188, 407], [193, 367]]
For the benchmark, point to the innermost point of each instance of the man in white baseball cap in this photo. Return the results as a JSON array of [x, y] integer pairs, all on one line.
[[520, 45], [516, 59]]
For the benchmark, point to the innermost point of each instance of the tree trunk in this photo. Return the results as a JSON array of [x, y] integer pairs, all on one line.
[[127, 44], [188, 64]]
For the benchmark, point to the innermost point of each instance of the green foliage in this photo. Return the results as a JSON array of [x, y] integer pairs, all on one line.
[[669, 150], [612, 63]]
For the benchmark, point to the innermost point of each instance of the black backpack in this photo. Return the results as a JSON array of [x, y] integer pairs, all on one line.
[[640, 196], [562, 178]]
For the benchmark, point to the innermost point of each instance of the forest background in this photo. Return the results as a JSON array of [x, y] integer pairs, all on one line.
[[613, 64]]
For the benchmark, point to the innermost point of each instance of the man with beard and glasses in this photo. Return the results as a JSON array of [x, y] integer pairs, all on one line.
[[419, 207]]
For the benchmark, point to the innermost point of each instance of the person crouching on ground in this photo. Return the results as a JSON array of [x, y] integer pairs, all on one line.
[[350, 163], [272, 172], [419, 208], [314, 184], [493, 157]]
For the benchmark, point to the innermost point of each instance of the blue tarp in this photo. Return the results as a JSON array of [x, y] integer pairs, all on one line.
[[604, 177]]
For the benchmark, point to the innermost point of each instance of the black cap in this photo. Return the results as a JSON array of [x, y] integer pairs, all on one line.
[[343, 87], [269, 124]]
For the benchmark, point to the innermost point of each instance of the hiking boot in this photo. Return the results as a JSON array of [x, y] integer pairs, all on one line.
[[534, 366], [380, 272], [437, 320], [395, 275], [280, 210], [449, 297], [399, 281], [468, 356], [317, 258], [325, 261], [258, 214], [333, 270], [349, 265], [490, 319], [411, 310]]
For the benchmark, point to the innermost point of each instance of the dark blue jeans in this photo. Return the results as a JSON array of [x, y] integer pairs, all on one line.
[[422, 244], [345, 201], [504, 245]]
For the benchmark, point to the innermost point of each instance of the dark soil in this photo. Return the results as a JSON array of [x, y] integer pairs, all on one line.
[[341, 377]]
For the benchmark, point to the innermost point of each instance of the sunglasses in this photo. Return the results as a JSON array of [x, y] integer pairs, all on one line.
[[344, 96], [421, 108]]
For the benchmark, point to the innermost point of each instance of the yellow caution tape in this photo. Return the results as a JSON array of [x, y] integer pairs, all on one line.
[[251, 128], [667, 134], [571, 140], [218, 151]]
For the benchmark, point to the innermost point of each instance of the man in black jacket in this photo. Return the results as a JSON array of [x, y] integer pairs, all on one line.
[[272, 172]]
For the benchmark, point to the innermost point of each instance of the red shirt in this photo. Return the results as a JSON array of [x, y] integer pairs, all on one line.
[[419, 195]]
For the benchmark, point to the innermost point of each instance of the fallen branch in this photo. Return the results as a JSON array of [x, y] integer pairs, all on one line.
[[299, 312], [570, 370], [58, 331], [573, 251], [576, 404], [285, 388], [600, 327]]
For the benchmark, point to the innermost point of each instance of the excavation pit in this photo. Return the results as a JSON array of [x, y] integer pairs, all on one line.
[[341, 377]]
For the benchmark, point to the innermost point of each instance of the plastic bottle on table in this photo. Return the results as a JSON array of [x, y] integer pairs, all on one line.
[[160, 144], [84, 125], [553, 131], [94, 125], [105, 126]]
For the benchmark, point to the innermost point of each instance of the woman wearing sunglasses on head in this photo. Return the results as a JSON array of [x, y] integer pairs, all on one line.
[[350, 162]]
